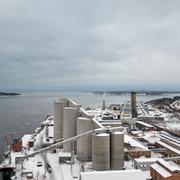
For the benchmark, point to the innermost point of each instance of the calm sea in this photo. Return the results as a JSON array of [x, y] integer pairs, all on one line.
[[22, 114]]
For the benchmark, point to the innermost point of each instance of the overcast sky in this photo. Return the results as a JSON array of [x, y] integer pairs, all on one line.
[[90, 44]]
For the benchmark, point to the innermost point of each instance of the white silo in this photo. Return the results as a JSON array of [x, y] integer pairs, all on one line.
[[84, 144], [117, 150], [58, 120], [101, 152], [69, 125]]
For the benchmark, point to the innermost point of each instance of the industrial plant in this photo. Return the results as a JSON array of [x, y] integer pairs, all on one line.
[[121, 141]]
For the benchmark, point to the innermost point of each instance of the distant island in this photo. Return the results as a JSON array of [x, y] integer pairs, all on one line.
[[9, 94], [163, 101], [140, 92], [168, 104]]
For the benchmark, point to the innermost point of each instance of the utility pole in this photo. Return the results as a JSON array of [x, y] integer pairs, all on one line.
[[72, 157]]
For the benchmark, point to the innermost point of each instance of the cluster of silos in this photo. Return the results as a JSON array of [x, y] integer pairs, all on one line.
[[108, 151], [133, 105]]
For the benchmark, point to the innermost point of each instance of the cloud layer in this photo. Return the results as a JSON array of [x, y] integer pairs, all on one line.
[[63, 43]]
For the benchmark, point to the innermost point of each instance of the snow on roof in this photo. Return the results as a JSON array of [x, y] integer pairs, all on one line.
[[170, 137], [170, 165], [25, 139], [169, 147], [103, 134], [144, 124], [13, 157], [118, 132], [136, 132], [144, 160], [132, 142], [112, 122], [50, 131], [174, 125], [163, 172], [115, 175], [64, 154], [30, 165], [53, 161], [39, 140], [94, 112], [151, 136]]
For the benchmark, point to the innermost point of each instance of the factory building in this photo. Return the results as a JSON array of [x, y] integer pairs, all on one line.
[[171, 151], [144, 163], [144, 126], [115, 107], [163, 170], [134, 149]]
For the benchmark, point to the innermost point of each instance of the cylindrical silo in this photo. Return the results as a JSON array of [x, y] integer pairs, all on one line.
[[69, 125], [65, 101], [101, 152], [58, 120], [117, 150], [84, 144]]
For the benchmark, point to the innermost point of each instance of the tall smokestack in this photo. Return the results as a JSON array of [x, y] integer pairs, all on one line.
[[133, 105], [104, 103]]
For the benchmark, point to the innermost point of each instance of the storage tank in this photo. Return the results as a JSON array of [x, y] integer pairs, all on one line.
[[84, 144], [117, 150], [101, 152], [58, 120], [69, 125]]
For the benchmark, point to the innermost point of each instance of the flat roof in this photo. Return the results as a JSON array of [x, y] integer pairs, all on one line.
[[173, 140], [25, 139], [144, 124], [141, 160], [170, 165], [129, 140], [115, 175], [162, 171], [169, 147]]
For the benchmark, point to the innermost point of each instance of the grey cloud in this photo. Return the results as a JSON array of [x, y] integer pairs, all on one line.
[[48, 44]]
